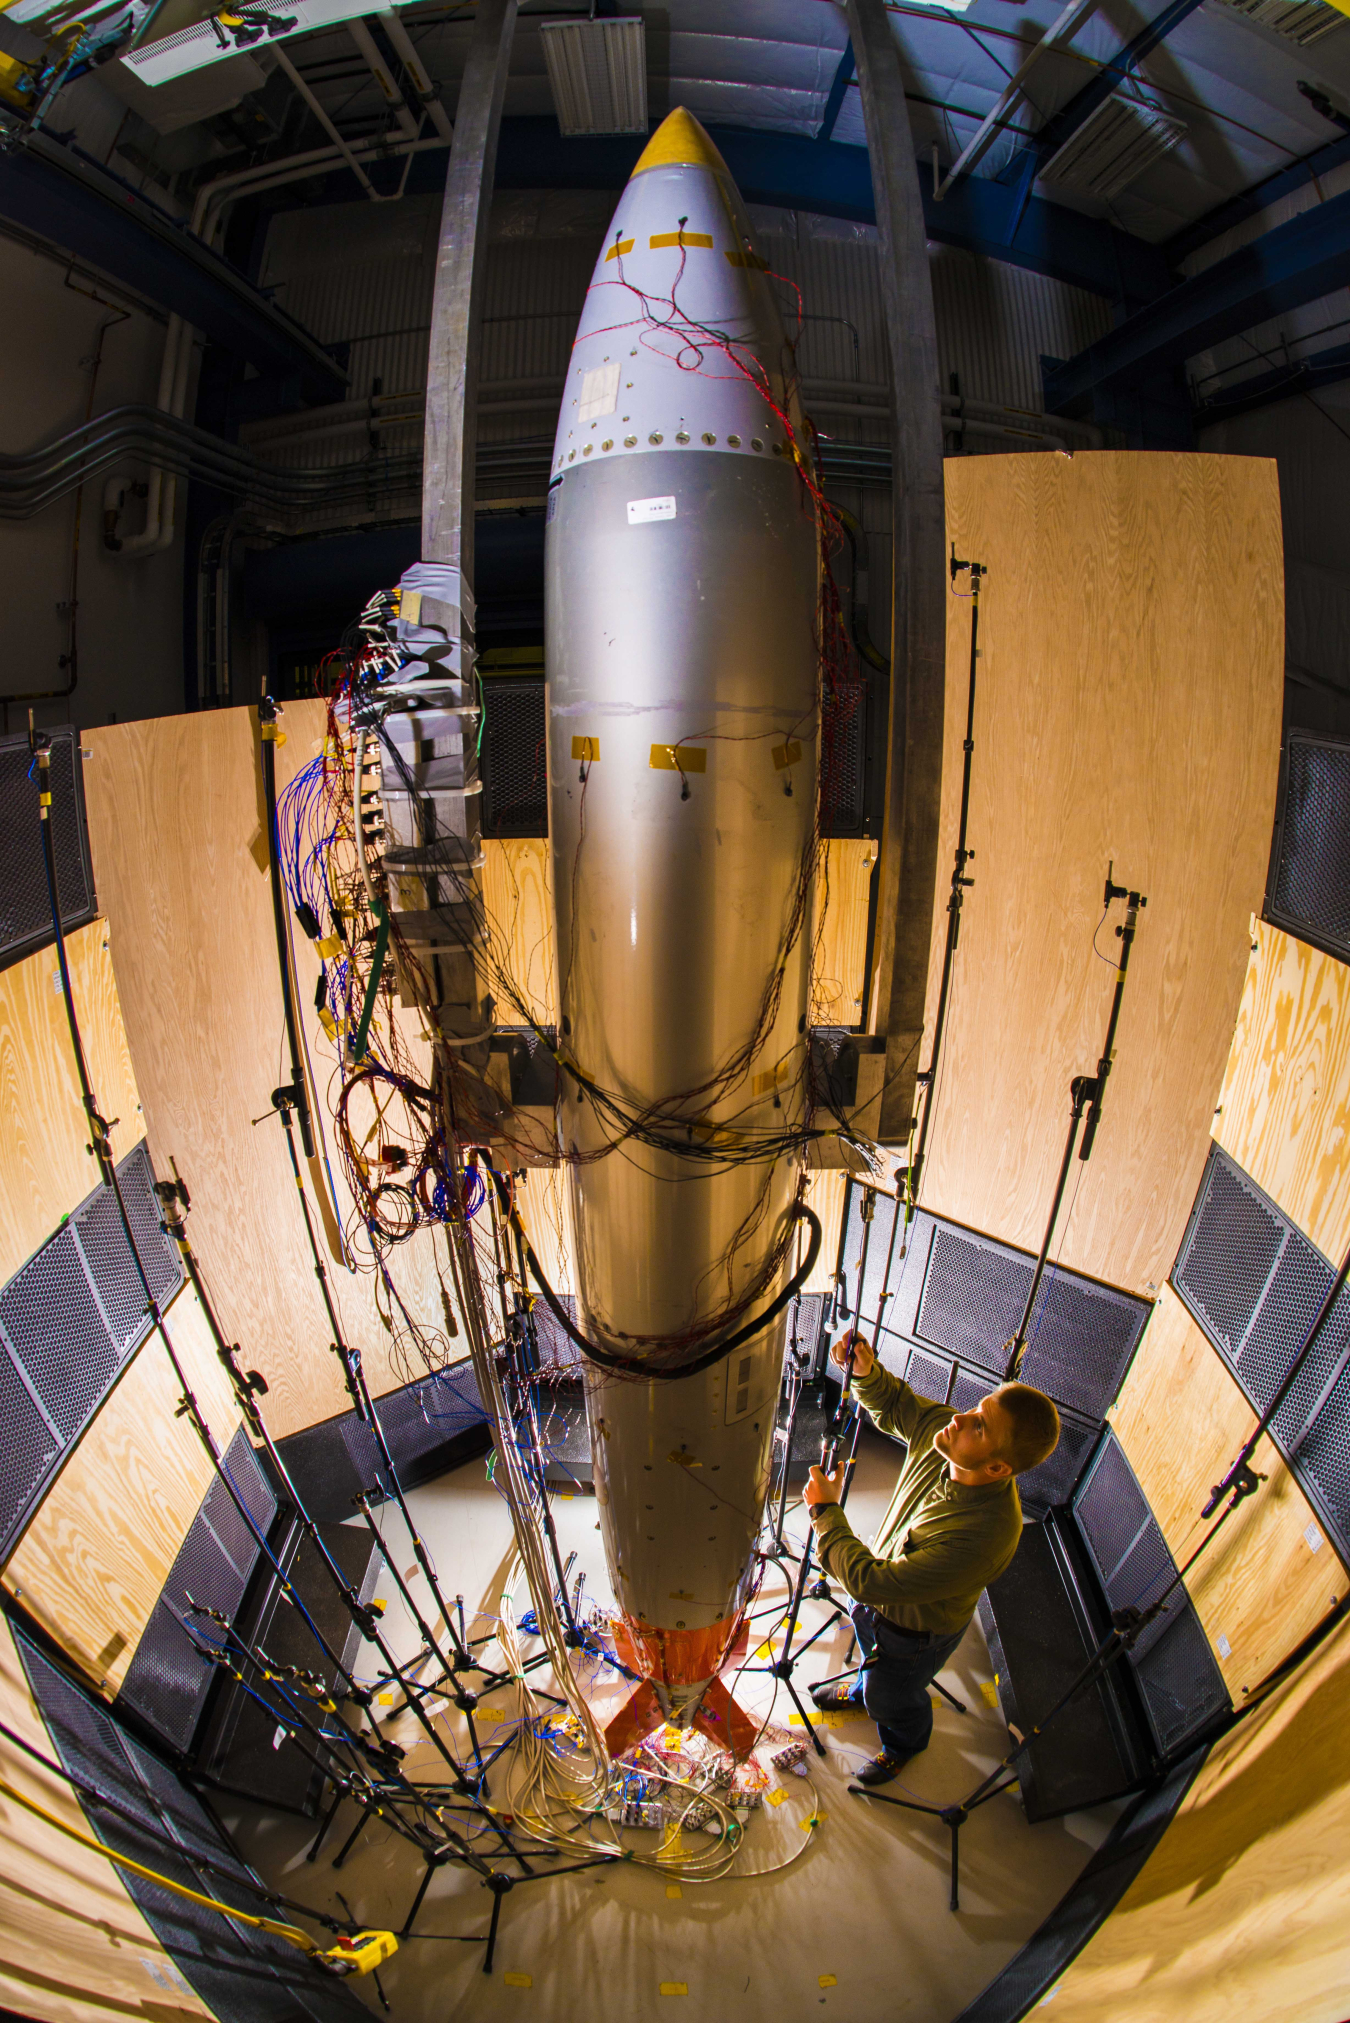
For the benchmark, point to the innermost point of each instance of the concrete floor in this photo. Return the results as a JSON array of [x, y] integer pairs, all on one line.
[[857, 1925]]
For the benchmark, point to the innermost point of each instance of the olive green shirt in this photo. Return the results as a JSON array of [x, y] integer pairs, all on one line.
[[940, 1543]]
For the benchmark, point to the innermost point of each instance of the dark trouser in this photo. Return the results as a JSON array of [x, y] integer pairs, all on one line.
[[898, 1668]]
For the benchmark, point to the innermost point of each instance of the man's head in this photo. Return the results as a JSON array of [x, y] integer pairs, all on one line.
[[1011, 1430]]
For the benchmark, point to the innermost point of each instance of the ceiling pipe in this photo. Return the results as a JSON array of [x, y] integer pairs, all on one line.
[[412, 63], [379, 70]]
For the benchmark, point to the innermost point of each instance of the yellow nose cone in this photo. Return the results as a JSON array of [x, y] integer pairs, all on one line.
[[680, 142]]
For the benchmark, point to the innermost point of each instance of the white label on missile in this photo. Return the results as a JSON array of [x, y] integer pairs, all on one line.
[[642, 510], [599, 392]]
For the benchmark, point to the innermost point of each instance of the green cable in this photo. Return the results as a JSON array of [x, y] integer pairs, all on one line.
[[376, 971]]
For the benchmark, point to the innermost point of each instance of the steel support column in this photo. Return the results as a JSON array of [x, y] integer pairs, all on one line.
[[457, 303], [908, 864]]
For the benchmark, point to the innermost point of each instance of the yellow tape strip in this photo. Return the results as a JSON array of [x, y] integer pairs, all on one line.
[[748, 260], [586, 749], [789, 754], [679, 759], [623, 246], [659, 239]]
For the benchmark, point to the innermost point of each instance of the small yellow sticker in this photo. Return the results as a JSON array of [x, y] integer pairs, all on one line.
[[674, 1987], [777, 1797], [786, 755], [816, 1819], [385, 1699], [586, 749], [766, 1651], [827, 1980], [989, 1691], [518, 1980], [673, 1891], [679, 759]]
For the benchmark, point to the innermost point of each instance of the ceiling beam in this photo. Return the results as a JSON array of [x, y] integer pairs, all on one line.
[[1278, 382], [72, 202], [1296, 263], [1021, 171], [1249, 203]]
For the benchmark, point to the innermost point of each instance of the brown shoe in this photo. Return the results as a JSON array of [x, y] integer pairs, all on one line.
[[829, 1697], [881, 1769]]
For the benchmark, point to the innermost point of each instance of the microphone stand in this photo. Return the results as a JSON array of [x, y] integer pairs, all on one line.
[[1085, 1093]]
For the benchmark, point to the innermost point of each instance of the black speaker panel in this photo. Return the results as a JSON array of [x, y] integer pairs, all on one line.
[[1182, 1686], [70, 1320], [25, 909], [1309, 892], [241, 1975], [432, 1425], [515, 756], [1255, 1284], [168, 1678]]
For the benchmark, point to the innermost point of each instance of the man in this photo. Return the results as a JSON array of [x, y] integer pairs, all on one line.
[[952, 1527]]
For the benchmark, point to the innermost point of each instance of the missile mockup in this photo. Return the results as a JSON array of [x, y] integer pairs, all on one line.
[[683, 692]]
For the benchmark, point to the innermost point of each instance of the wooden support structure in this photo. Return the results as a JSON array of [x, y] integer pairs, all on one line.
[[914, 751]]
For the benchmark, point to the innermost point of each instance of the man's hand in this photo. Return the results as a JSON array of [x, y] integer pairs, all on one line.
[[863, 1359], [823, 1487]]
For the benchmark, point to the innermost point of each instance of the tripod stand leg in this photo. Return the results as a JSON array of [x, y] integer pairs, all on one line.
[[351, 1840], [492, 1931], [422, 1888], [807, 1722], [324, 1824], [950, 1698], [955, 1826]]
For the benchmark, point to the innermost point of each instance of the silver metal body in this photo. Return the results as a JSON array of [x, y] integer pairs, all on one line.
[[682, 668]]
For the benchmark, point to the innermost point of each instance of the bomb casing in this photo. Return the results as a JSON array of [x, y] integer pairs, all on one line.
[[683, 694]]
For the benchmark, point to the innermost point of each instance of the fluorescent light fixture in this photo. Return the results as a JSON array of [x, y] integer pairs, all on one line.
[[1300, 21], [598, 71], [1114, 146]]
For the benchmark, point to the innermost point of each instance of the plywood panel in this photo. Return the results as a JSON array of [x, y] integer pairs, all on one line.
[[176, 832], [1241, 1909], [1128, 710], [1284, 1109], [91, 1564], [74, 1948], [45, 1167], [1261, 1586], [518, 898], [840, 956]]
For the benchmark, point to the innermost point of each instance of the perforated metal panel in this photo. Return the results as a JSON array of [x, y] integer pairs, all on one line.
[[1053, 1482], [1081, 1336], [69, 1319], [843, 758], [431, 1425], [1255, 1284], [54, 1326], [514, 756], [969, 1388], [930, 1376], [1310, 883], [28, 1451], [242, 1976], [25, 909], [1181, 1684], [168, 1678]]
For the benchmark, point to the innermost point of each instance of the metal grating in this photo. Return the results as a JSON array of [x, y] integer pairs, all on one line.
[[167, 1680], [54, 1326], [430, 1426], [598, 74], [242, 1976], [1054, 1481], [929, 1377], [30, 1449], [1082, 1334], [843, 758], [25, 910], [514, 757], [1181, 1684], [1255, 1283], [1310, 883], [69, 1319], [969, 1388]]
